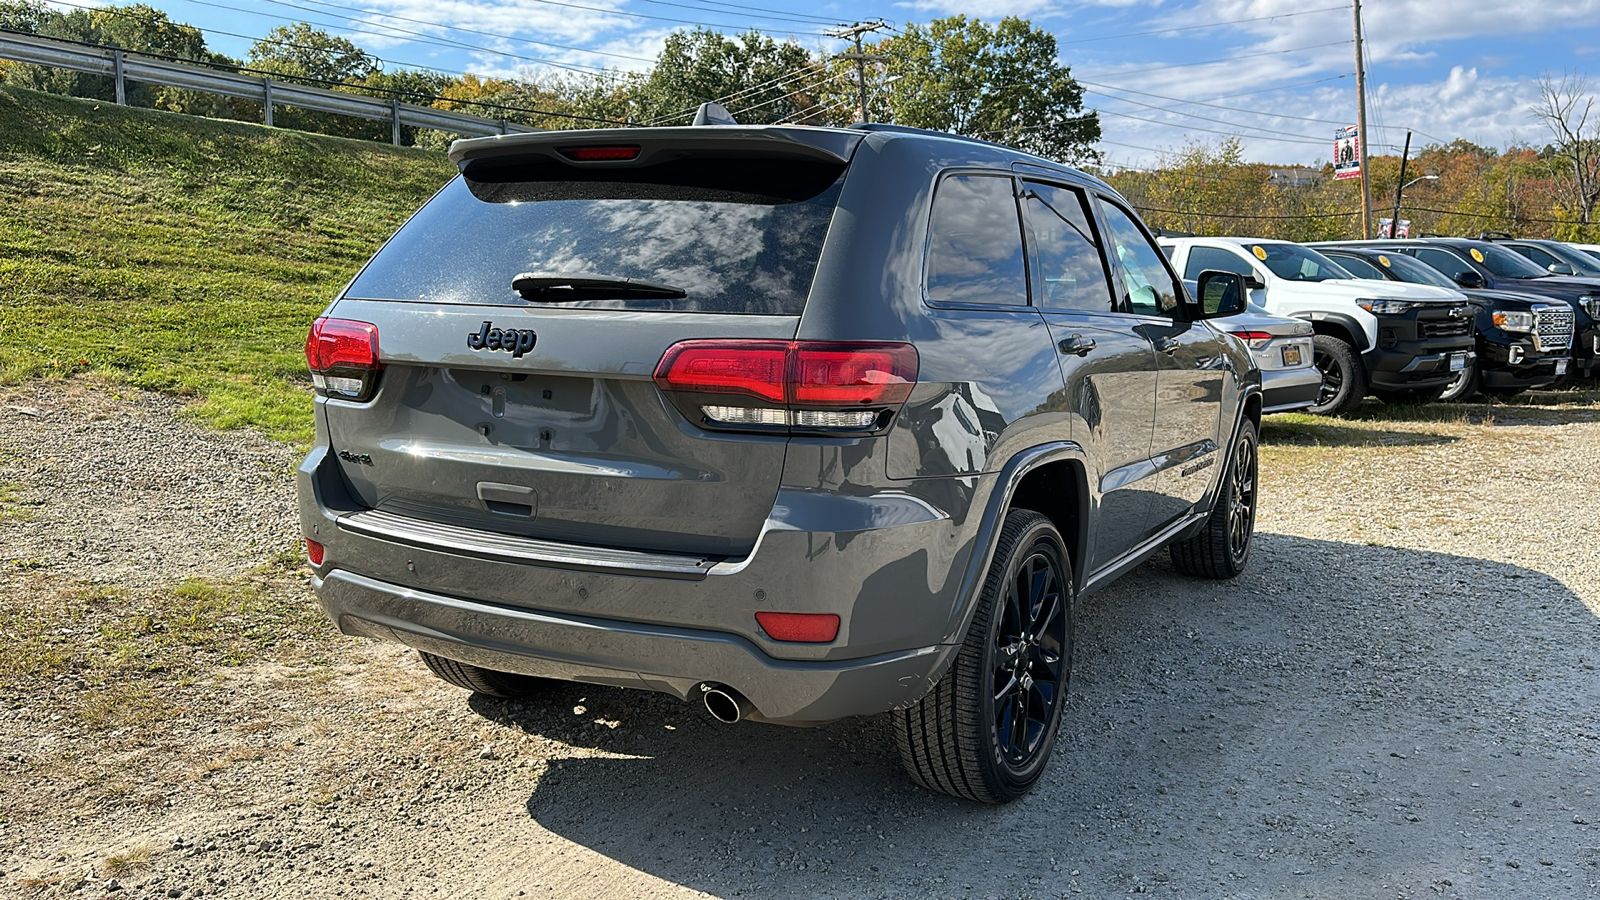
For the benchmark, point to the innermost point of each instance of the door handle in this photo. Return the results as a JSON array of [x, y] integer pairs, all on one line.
[[1077, 344], [1168, 345]]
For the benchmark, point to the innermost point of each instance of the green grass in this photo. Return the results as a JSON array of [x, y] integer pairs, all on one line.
[[185, 255]]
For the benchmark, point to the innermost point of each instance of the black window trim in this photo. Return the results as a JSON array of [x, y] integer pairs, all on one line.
[[1098, 240]]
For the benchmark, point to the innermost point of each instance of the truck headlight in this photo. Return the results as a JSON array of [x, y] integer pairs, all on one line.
[[1385, 307], [1510, 320]]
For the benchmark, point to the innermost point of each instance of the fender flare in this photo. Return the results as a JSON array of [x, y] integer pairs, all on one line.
[[1348, 323], [987, 538]]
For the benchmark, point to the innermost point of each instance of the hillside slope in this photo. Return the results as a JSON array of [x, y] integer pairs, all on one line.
[[183, 254]]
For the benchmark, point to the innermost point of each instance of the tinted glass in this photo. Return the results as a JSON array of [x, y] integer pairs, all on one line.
[[1296, 263], [975, 243], [1068, 272], [1444, 261], [1537, 256], [1506, 263], [1151, 289], [738, 236], [1357, 266], [1415, 272], [1203, 258], [1581, 263]]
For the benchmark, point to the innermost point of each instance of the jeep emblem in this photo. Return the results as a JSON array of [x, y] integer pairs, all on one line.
[[490, 338]]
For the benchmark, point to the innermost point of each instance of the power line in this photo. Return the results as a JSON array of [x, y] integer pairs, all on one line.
[[817, 19], [1113, 37], [647, 16], [307, 79], [1264, 131], [1292, 139], [1217, 215], [1254, 112], [771, 83], [1212, 62], [466, 30]]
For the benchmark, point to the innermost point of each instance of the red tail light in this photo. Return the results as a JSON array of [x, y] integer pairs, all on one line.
[[777, 385], [811, 628], [1251, 335], [600, 154], [314, 552], [343, 357]]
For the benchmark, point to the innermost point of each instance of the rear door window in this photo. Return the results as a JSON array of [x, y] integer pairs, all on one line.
[[975, 243], [734, 236], [1064, 252], [1443, 260]]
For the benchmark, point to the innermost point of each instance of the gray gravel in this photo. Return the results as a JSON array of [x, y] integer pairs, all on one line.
[[1397, 700]]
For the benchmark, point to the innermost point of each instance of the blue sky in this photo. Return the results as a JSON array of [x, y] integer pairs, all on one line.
[[1278, 74]]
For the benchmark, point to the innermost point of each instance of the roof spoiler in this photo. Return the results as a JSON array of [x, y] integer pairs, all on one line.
[[631, 147]]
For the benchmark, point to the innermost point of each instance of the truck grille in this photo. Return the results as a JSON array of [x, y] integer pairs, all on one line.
[[1552, 328], [1438, 328]]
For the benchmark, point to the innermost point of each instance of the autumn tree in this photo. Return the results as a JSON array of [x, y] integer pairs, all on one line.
[[1567, 109]]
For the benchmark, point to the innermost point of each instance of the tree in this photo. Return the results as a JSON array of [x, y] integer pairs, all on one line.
[[760, 80], [1565, 108], [300, 51], [1002, 84]]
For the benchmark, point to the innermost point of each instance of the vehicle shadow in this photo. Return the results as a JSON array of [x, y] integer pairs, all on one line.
[[1308, 431], [1337, 703]]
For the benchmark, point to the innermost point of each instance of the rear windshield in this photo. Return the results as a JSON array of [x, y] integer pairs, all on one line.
[[735, 236]]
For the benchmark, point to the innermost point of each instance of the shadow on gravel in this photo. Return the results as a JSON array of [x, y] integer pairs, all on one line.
[[1307, 432], [1343, 720]]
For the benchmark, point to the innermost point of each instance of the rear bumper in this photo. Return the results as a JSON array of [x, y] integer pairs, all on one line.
[[626, 654], [889, 568], [1286, 390]]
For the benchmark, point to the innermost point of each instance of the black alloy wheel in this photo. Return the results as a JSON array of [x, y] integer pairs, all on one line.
[[1221, 549], [1029, 658], [987, 729], [1344, 378]]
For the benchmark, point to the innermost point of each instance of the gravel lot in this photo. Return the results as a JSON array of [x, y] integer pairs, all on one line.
[[1397, 700]]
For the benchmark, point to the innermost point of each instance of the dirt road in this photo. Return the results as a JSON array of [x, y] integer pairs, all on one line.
[[1399, 699]]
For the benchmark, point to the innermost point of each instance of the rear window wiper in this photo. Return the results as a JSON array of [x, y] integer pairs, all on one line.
[[554, 287]]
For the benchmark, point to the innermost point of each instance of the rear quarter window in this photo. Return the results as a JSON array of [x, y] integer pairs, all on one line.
[[737, 236]]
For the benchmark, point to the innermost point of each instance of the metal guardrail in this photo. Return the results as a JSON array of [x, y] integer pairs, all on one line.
[[123, 66]]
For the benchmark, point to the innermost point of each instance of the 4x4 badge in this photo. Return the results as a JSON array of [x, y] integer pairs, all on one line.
[[490, 338]]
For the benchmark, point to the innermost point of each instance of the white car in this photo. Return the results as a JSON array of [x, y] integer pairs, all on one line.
[[1282, 349]]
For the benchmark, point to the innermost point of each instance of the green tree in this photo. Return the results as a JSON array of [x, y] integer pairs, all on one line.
[[760, 80], [1001, 83], [301, 51]]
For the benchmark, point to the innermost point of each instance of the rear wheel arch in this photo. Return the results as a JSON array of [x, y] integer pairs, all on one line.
[[1058, 491]]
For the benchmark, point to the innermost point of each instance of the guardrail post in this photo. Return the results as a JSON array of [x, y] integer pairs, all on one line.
[[116, 66], [394, 104], [266, 101]]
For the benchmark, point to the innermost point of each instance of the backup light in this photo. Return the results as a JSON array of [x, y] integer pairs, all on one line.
[[767, 385], [809, 628], [343, 357]]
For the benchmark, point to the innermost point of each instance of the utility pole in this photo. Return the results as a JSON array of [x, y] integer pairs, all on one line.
[[1361, 128], [1400, 185], [861, 58]]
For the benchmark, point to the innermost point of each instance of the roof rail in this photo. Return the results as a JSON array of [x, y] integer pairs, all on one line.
[[1494, 236], [927, 132]]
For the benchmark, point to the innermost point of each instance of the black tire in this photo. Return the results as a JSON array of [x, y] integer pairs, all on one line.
[[1466, 386], [506, 685], [965, 737], [1344, 376], [1221, 549], [1410, 396]]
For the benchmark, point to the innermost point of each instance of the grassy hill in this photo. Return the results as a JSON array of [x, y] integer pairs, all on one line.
[[182, 254]]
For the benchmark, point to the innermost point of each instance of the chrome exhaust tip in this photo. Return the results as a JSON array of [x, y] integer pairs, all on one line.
[[724, 704]]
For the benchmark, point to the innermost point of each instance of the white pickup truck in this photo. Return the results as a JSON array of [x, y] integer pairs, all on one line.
[[1399, 342]]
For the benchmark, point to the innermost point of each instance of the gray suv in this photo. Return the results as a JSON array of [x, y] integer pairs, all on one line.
[[798, 423]]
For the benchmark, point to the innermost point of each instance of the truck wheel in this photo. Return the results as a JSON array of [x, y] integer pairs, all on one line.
[[986, 730], [1465, 387], [1222, 548], [506, 685], [1344, 378]]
